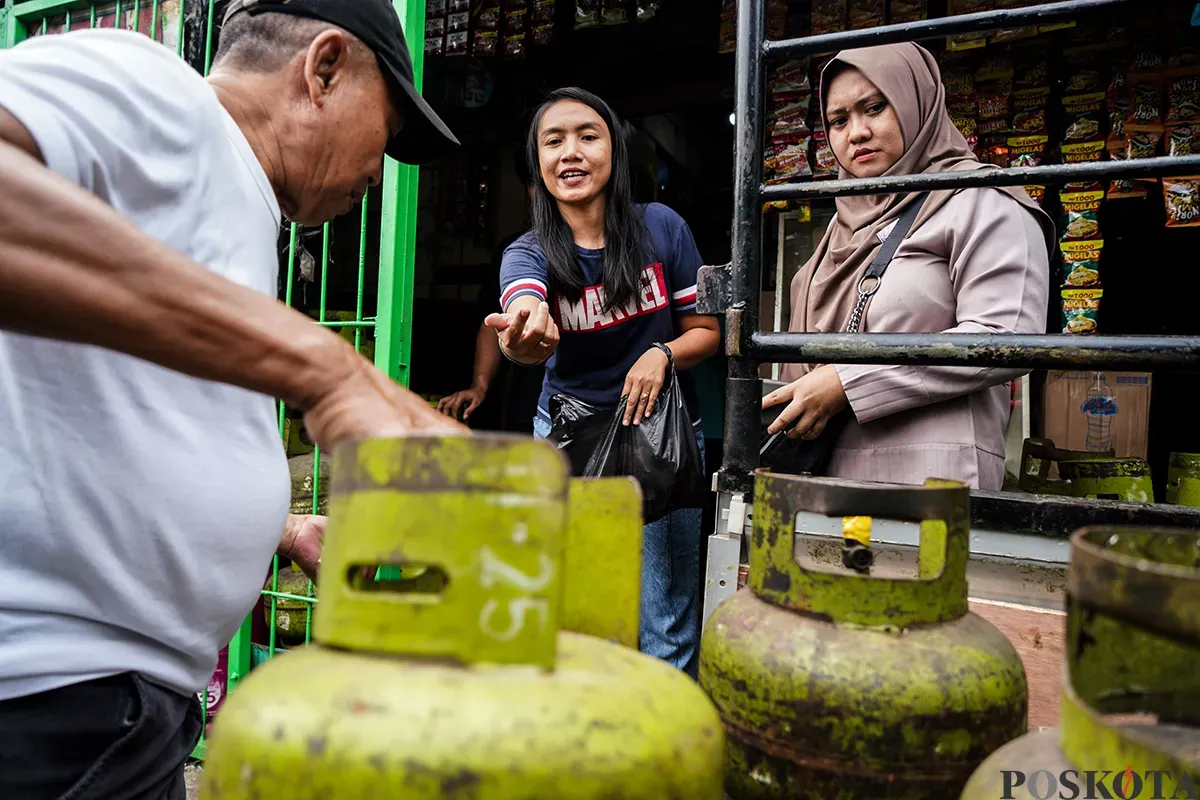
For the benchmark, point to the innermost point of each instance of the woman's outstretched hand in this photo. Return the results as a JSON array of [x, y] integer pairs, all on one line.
[[528, 335], [642, 384], [812, 401]]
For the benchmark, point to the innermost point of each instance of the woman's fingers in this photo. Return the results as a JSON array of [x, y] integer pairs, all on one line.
[[639, 412], [804, 424], [512, 335], [786, 417], [535, 331], [633, 396], [653, 401], [781, 395]]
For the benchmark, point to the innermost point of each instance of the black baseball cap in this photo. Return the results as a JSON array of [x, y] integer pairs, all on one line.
[[424, 136]]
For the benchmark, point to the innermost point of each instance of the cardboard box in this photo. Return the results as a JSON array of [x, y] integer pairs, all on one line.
[[1095, 411]]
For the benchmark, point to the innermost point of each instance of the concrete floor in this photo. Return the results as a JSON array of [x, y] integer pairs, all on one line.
[[191, 774]]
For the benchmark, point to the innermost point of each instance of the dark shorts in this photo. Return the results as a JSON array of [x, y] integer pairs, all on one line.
[[116, 738]]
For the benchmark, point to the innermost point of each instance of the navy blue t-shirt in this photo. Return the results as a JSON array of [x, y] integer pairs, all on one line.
[[597, 349]]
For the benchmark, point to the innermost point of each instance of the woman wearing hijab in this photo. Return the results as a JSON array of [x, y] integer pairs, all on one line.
[[974, 261], [603, 292]]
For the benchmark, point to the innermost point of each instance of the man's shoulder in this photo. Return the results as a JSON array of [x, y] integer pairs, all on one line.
[[129, 67], [116, 46]]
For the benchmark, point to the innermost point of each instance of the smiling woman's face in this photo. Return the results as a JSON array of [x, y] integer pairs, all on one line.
[[863, 128], [575, 152]]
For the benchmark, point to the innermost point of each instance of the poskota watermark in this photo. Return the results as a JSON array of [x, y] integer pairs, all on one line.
[[1125, 784]]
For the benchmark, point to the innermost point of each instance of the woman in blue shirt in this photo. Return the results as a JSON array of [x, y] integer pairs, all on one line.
[[598, 291]]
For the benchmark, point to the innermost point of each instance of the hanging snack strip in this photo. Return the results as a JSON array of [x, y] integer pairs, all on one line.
[[1081, 241], [647, 9], [776, 23], [961, 102], [1030, 136], [1081, 310], [543, 21], [993, 88], [587, 13], [966, 41], [435, 27], [1181, 196], [1083, 104], [866, 14], [515, 29], [613, 12], [1119, 109], [829, 16], [786, 157], [728, 39], [487, 29], [458, 25], [907, 11]]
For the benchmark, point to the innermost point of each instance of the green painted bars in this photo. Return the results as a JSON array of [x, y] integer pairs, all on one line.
[[188, 27]]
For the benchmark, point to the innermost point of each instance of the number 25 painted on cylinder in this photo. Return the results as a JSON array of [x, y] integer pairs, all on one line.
[[494, 571]]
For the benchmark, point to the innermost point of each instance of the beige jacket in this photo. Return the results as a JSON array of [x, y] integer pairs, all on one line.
[[978, 265]]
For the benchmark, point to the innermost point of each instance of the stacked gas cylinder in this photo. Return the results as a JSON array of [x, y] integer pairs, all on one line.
[[839, 685], [1130, 719], [473, 679], [835, 686]]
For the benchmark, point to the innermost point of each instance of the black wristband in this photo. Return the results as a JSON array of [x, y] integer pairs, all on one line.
[[667, 350]]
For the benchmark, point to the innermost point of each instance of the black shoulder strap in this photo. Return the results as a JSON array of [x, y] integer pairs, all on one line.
[[892, 243]]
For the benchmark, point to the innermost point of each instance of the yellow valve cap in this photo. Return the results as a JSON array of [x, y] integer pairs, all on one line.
[[858, 529]]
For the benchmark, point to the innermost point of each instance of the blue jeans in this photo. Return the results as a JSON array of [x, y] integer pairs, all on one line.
[[670, 607]]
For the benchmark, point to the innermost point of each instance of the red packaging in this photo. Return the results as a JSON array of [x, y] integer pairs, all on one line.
[[218, 687]]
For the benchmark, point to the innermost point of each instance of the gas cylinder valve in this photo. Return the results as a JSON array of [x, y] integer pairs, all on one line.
[[856, 544]]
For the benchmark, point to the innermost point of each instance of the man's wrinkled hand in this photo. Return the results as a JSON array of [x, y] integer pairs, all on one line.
[[368, 404], [302, 541]]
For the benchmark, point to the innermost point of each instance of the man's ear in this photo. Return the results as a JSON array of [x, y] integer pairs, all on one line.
[[325, 62]]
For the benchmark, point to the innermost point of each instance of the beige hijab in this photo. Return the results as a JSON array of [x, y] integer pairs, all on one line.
[[825, 289]]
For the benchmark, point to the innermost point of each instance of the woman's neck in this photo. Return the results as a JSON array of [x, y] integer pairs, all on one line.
[[587, 222]]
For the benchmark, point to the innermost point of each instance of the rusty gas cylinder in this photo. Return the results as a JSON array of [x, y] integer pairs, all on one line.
[[834, 685], [1133, 651], [462, 681], [1123, 479], [1183, 473]]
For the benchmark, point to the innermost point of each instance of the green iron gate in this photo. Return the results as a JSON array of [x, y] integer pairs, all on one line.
[[382, 237]]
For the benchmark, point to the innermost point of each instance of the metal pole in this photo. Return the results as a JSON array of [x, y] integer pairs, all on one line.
[[398, 229], [743, 393], [981, 350], [937, 28], [1012, 176]]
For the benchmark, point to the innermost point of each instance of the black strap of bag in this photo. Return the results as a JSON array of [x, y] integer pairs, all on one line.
[[796, 456]]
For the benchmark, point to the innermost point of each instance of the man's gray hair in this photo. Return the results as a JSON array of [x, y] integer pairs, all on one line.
[[266, 42]]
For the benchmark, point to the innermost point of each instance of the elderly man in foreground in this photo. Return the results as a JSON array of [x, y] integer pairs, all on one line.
[[143, 485]]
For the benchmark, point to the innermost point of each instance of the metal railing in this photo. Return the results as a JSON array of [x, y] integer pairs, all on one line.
[[735, 294]]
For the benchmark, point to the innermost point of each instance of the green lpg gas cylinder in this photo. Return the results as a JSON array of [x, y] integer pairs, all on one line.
[[835, 685], [1123, 479], [469, 686], [284, 607], [1183, 472], [1130, 720]]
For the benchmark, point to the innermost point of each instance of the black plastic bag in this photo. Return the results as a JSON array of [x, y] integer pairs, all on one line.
[[661, 452], [576, 428]]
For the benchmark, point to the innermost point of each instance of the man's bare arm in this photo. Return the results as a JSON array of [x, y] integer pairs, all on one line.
[[72, 268]]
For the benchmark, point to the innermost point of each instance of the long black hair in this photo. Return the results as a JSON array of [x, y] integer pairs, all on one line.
[[624, 227]]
